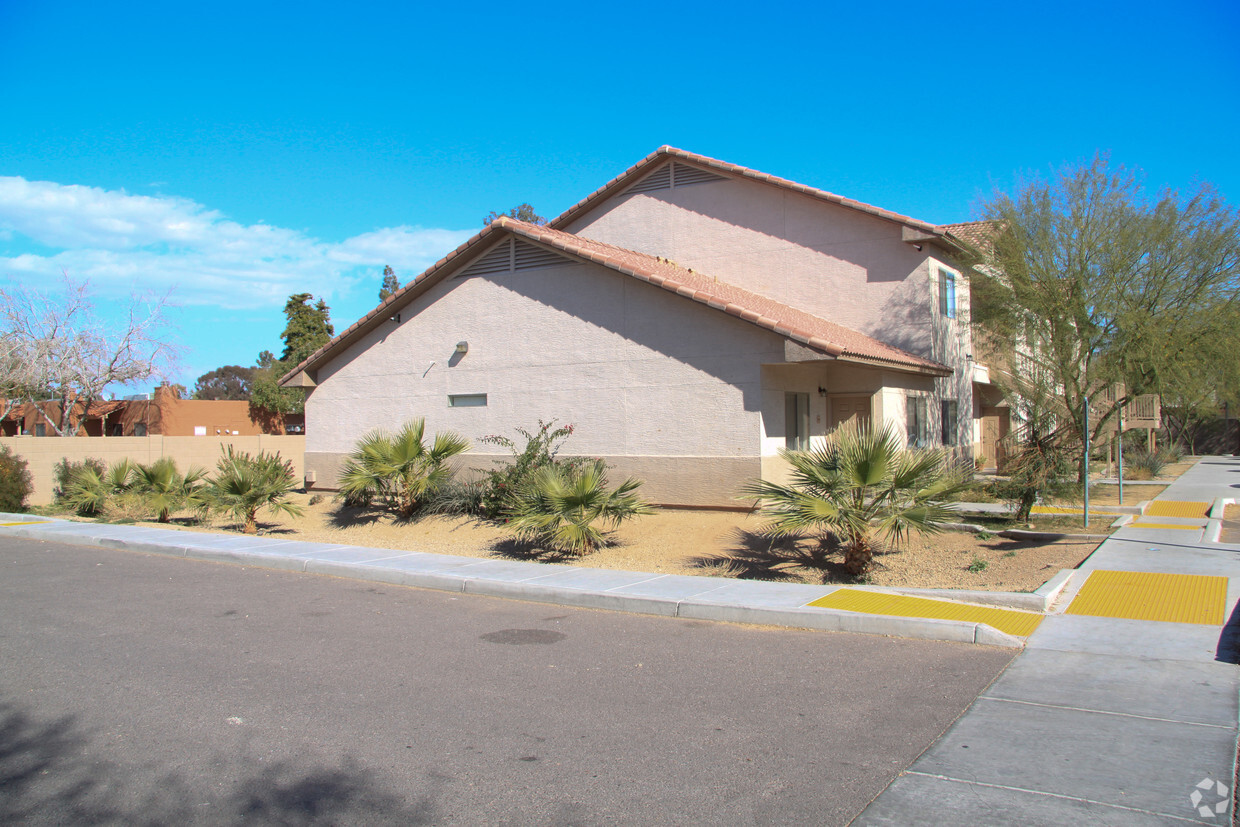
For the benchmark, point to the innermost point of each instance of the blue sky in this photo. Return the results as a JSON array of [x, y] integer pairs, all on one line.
[[234, 153]]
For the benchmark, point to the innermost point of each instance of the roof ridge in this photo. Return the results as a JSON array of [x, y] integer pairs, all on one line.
[[668, 151]]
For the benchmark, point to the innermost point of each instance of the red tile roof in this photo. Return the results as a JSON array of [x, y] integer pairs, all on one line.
[[811, 331], [665, 152]]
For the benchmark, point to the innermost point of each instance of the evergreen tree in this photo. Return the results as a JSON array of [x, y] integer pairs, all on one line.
[[521, 212], [390, 283], [308, 328]]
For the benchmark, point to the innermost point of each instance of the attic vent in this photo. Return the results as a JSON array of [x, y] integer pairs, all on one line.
[[504, 259], [530, 256], [498, 260], [674, 175], [660, 179], [684, 175]]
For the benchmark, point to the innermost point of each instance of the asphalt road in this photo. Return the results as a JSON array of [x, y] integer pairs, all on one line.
[[140, 689]]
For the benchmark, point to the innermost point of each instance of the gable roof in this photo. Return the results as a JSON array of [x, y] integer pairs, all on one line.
[[805, 329], [663, 153]]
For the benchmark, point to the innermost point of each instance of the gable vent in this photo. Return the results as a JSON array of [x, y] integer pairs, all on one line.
[[683, 175], [660, 179], [498, 260], [674, 175], [505, 259], [531, 256]]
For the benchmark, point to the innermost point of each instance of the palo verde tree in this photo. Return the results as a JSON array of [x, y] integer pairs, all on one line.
[[307, 329], [1093, 281], [55, 345]]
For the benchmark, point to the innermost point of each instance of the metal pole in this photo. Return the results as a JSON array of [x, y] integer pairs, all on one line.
[[1120, 479], [1087, 462]]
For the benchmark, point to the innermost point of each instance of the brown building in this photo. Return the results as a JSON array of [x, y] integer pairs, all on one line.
[[163, 414]]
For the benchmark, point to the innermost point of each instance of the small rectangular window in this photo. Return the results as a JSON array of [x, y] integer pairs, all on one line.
[[40, 430], [950, 423], [915, 409], [139, 429], [467, 400], [947, 294]]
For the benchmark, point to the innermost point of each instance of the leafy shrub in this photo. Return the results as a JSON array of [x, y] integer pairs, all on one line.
[[500, 487], [243, 484], [1146, 465], [566, 510], [400, 470], [863, 488], [162, 489], [978, 565], [66, 471], [16, 482], [315, 499], [92, 488], [456, 497]]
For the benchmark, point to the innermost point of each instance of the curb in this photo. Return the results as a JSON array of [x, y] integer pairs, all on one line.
[[680, 596]]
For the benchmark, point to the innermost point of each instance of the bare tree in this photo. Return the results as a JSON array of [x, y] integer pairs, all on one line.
[[61, 349]]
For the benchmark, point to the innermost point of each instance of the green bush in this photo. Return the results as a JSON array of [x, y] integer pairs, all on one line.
[[400, 470], [92, 489], [15, 481], [66, 471], [567, 510], [243, 484], [500, 487], [1147, 464]]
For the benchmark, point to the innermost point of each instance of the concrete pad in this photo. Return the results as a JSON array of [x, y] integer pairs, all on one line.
[[1203, 693], [1121, 760], [674, 587], [396, 576], [763, 593], [1168, 558], [925, 800], [1131, 638], [508, 571], [1156, 535], [595, 579], [356, 554]]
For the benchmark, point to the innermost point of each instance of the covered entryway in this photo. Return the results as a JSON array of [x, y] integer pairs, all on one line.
[[854, 409]]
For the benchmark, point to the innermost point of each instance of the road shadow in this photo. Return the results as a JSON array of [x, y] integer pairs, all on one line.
[[1228, 650], [48, 777]]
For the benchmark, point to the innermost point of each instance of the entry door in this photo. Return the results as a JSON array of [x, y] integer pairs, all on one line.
[[995, 424], [850, 409]]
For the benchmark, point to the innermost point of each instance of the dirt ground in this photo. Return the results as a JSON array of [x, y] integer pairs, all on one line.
[[716, 543]]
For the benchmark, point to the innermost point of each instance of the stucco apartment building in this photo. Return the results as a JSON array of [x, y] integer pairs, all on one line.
[[690, 318]]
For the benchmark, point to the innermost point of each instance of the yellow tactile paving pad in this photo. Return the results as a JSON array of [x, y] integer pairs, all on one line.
[[1141, 595], [1177, 508], [1009, 621], [1164, 525]]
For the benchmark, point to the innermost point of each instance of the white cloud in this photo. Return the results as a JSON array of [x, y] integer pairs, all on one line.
[[119, 241]]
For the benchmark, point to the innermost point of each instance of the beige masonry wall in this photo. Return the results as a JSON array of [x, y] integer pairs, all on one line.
[[43, 453]]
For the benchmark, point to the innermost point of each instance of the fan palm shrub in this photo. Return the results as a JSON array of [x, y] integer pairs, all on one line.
[[567, 509], [93, 488], [400, 469], [862, 488], [164, 490], [243, 484]]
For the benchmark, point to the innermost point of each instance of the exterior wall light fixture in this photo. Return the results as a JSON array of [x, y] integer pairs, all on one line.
[[462, 347]]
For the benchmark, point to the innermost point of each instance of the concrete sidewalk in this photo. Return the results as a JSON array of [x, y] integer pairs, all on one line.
[[1102, 719]]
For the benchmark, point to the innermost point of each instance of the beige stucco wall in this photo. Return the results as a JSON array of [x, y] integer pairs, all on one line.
[[43, 453], [832, 261], [835, 262], [650, 380]]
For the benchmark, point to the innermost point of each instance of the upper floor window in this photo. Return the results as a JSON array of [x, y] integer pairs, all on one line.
[[951, 422], [947, 293]]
